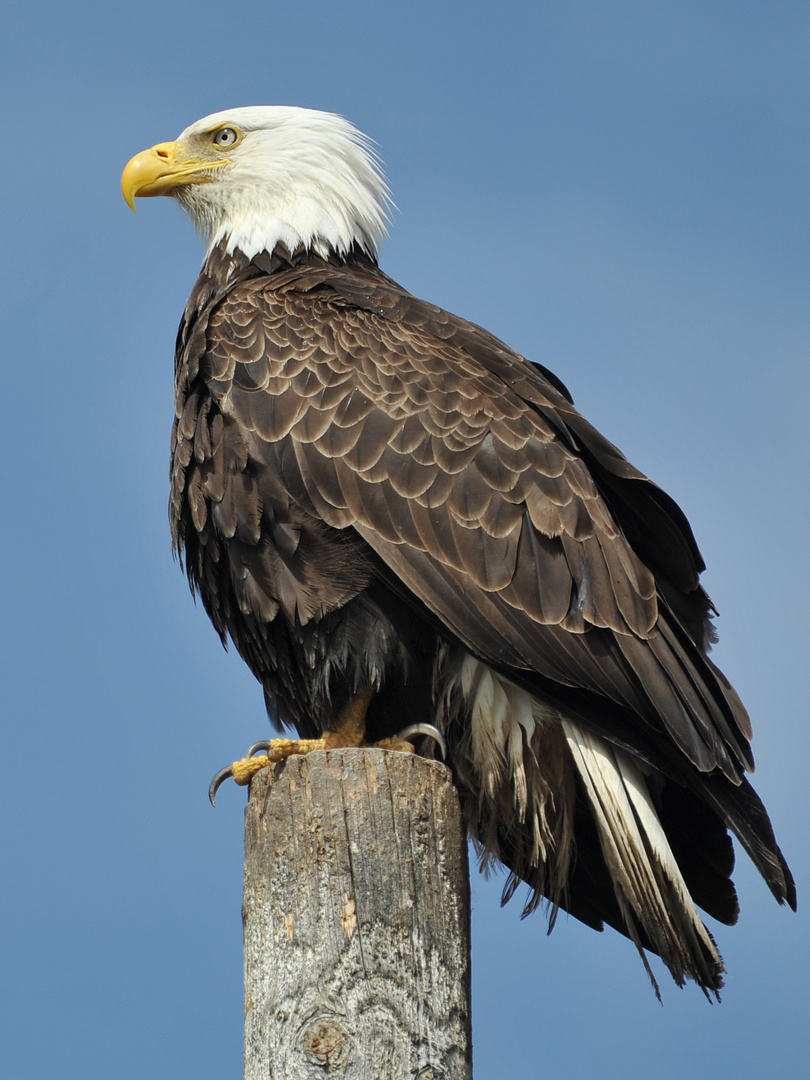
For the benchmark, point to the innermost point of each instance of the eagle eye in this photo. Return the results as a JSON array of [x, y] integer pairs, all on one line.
[[225, 137]]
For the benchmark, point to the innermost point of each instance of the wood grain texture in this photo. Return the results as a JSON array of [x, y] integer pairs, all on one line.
[[356, 919]]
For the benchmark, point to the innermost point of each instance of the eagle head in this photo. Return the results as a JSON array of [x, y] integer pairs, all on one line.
[[267, 174]]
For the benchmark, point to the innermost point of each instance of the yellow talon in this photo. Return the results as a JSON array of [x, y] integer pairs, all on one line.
[[395, 743], [280, 750], [246, 767], [351, 731]]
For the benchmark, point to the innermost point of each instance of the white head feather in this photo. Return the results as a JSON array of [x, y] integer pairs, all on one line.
[[296, 176]]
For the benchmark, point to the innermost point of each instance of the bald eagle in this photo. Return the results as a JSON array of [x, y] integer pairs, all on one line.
[[395, 517]]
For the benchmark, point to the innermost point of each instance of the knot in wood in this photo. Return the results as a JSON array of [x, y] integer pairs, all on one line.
[[325, 1042]]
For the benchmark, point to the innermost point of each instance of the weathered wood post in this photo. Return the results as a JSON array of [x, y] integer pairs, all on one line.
[[356, 920]]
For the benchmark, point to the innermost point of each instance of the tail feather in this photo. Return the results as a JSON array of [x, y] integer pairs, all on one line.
[[647, 881]]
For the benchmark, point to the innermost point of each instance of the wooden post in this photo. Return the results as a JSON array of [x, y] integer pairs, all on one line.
[[356, 920]]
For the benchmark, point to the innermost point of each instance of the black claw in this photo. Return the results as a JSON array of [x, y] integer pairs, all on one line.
[[257, 746], [217, 782], [425, 729], [227, 772]]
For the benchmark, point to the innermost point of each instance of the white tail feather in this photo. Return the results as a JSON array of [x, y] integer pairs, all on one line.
[[522, 758], [647, 880]]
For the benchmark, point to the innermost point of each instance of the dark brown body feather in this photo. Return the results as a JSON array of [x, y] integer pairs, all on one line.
[[360, 480]]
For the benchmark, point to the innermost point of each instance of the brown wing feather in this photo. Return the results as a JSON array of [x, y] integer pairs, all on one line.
[[472, 477]]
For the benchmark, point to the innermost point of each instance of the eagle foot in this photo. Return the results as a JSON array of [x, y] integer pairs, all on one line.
[[276, 750]]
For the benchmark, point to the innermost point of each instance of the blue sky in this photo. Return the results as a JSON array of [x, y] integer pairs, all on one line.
[[619, 191]]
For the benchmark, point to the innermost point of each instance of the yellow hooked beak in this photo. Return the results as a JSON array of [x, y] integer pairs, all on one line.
[[164, 167]]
